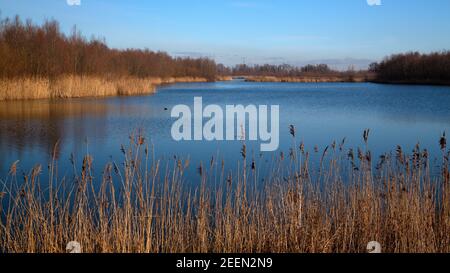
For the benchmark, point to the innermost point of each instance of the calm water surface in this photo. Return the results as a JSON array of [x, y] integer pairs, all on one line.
[[322, 113]]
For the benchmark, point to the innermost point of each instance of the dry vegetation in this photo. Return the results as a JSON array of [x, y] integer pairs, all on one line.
[[39, 62], [144, 206], [88, 86], [29, 50], [306, 74], [283, 70], [72, 87], [311, 79]]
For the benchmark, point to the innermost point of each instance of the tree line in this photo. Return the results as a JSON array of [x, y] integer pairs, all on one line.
[[30, 50], [283, 70], [414, 67]]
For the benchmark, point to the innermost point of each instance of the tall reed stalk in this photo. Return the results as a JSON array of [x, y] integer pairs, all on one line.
[[145, 206]]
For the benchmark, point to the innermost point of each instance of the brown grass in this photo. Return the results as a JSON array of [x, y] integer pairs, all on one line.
[[145, 206], [309, 79], [224, 78], [78, 87], [170, 80], [72, 87]]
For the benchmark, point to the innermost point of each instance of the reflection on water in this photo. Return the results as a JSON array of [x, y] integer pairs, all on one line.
[[321, 113], [31, 124]]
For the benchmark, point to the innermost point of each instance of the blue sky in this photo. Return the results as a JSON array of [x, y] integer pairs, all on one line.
[[337, 32]]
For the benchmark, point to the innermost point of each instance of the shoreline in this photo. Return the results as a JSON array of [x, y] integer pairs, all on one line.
[[308, 79], [412, 82], [338, 79], [64, 87]]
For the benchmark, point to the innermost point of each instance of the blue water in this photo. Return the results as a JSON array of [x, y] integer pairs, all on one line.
[[396, 114]]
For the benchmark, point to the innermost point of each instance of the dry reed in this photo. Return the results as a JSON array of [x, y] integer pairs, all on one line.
[[339, 207], [87, 86], [309, 79], [72, 87]]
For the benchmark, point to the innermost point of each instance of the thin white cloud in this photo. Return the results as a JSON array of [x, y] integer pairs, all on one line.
[[73, 2], [374, 2]]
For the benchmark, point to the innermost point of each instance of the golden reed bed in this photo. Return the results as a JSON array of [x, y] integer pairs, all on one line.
[[77, 87], [149, 206], [309, 79]]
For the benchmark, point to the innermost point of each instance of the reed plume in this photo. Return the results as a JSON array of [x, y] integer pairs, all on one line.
[[143, 207]]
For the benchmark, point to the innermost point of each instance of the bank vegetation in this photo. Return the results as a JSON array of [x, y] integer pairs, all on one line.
[[145, 205], [414, 68], [40, 61]]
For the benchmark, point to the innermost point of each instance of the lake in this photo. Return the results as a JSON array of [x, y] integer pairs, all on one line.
[[322, 113]]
